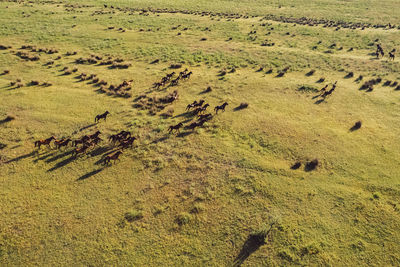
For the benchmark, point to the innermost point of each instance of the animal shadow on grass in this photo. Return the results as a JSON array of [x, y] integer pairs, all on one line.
[[87, 126], [187, 114], [252, 244], [33, 153], [101, 160], [2, 146], [7, 119], [62, 164], [59, 156], [161, 139], [100, 150], [184, 134], [43, 156], [208, 90], [89, 174]]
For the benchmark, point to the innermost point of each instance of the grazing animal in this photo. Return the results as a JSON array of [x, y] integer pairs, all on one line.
[[101, 116], [221, 107], [44, 142], [175, 127], [113, 157]]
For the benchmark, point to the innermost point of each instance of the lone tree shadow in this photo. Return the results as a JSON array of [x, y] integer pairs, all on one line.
[[252, 244]]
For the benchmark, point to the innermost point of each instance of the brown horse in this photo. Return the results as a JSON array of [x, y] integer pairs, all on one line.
[[101, 116], [62, 143], [203, 108], [44, 142], [93, 142], [221, 107], [121, 136], [82, 140], [127, 143], [175, 127], [80, 150], [95, 135], [391, 56], [113, 157], [190, 106]]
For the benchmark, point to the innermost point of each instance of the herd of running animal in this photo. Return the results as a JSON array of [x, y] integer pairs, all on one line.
[[183, 75], [379, 52], [197, 109], [124, 139]]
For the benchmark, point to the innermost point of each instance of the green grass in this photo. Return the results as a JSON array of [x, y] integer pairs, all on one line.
[[195, 199]]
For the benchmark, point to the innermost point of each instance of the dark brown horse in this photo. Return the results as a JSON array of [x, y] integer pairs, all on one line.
[[101, 116], [391, 56], [119, 137], [95, 135], [190, 106], [82, 140], [80, 150], [44, 142], [93, 142], [221, 107], [113, 157], [62, 143], [127, 143], [175, 127]]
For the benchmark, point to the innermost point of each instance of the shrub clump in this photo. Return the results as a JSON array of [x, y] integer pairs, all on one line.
[[183, 218]]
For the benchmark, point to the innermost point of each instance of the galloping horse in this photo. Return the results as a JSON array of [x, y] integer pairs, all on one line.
[[128, 142], [62, 143], [391, 56], [44, 142], [188, 107], [175, 127], [121, 136], [221, 107], [113, 157], [101, 116], [95, 135], [80, 150], [93, 142], [82, 140]]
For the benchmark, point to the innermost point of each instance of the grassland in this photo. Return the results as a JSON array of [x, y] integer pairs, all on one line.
[[194, 198]]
